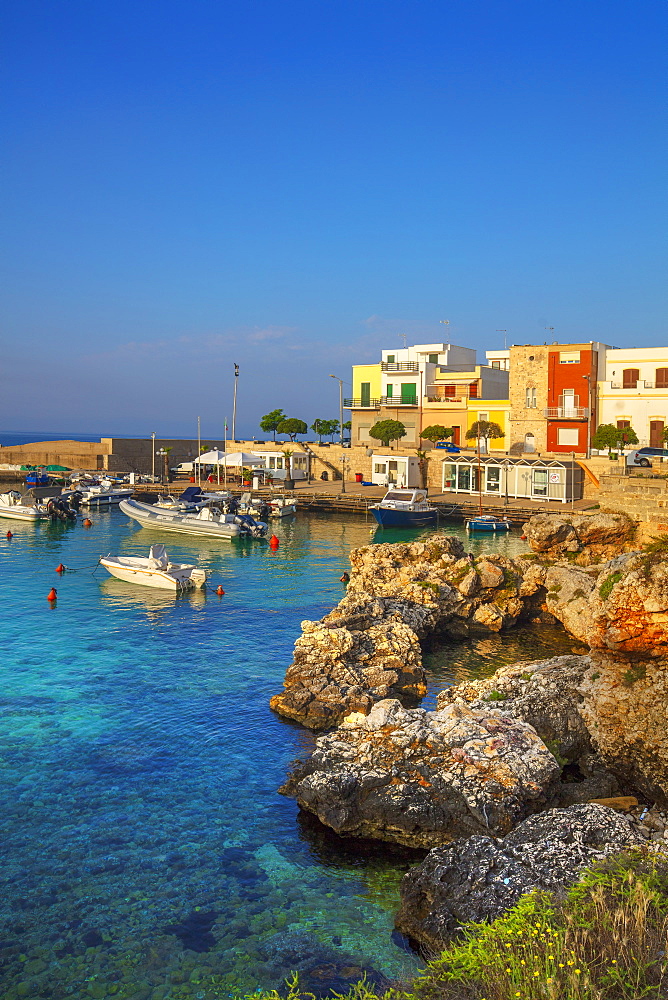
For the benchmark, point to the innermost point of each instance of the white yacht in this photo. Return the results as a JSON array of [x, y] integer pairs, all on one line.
[[155, 571]]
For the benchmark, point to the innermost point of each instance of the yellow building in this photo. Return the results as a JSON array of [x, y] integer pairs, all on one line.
[[497, 411]]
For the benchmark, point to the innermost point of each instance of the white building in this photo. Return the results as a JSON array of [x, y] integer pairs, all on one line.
[[634, 391]]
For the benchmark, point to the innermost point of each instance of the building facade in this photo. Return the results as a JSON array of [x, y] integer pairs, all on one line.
[[553, 397], [422, 385], [634, 392]]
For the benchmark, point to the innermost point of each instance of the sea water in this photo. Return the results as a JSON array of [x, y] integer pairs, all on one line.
[[147, 853]]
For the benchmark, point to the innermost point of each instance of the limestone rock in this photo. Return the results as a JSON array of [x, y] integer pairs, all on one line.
[[480, 878], [544, 693], [423, 778], [590, 537]]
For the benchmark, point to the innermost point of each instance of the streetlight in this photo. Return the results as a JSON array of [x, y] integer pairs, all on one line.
[[588, 453], [153, 455], [340, 381], [343, 461], [162, 452]]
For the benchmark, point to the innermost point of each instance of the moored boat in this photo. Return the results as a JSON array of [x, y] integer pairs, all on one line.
[[12, 505], [202, 522], [487, 522], [154, 571], [404, 508], [104, 494]]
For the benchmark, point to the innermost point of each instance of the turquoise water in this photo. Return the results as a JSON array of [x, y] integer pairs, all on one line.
[[147, 854]]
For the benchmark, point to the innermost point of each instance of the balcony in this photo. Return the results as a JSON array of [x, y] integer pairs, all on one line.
[[399, 400], [361, 404], [566, 413], [399, 366], [638, 384]]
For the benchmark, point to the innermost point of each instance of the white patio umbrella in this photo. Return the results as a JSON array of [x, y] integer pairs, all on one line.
[[239, 458], [211, 457]]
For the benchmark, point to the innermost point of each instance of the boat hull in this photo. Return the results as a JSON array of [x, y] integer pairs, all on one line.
[[105, 499], [389, 518], [19, 513], [475, 524], [164, 520]]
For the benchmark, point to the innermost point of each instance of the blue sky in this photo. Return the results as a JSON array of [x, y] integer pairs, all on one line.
[[293, 185]]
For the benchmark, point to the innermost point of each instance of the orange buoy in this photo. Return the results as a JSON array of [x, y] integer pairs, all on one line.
[[88, 523], [60, 568], [220, 591], [9, 534], [52, 595], [523, 537], [345, 578], [274, 542]]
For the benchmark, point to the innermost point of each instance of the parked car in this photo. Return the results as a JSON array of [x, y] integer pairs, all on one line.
[[448, 446], [643, 456]]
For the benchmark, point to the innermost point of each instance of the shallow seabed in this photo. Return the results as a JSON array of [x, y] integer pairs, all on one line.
[[147, 854]]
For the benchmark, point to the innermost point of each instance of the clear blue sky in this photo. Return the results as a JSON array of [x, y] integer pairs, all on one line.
[[292, 185]]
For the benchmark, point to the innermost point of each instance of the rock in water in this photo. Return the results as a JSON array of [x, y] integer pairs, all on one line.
[[592, 538], [480, 878], [424, 778]]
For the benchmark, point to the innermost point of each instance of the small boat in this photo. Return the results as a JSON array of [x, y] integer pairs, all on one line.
[[104, 493], [201, 522], [155, 571], [12, 505], [404, 508], [487, 522], [282, 507]]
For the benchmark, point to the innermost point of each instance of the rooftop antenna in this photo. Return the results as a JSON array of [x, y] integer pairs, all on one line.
[[446, 322], [404, 336], [551, 329], [504, 332]]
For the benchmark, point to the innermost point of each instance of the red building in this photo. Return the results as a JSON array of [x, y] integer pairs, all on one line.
[[572, 372]]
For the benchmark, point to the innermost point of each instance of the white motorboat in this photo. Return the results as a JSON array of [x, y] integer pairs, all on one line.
[[155, 571], [202, 522], [12, 505], [282, 507], [104, 493]]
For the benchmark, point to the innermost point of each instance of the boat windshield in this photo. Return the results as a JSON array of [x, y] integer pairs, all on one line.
[[404, 496]]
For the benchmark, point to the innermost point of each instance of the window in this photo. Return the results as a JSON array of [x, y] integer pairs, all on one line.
[[363, 432], [655, 433], [630, 378], [496, 364], [662, 378], [623, 423], [450, 391], [567, 437], [388, 391], [530, 400], [569, 357], [456, 431], [473, 390], [483, 416], [365, 394], [433, 359], [299, 462], [391, 358]]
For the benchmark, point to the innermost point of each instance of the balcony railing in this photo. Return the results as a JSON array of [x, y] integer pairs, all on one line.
[[399, 400], [399, 366], [566, 413], [361, 404]]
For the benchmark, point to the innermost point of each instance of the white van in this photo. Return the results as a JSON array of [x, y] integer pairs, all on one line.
[[184, 469]]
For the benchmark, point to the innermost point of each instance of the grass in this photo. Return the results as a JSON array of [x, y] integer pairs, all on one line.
[[605, 589], [606, 940]]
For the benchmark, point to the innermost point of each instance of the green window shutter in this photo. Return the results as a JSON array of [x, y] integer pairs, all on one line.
[[408, 392], [365, 393]]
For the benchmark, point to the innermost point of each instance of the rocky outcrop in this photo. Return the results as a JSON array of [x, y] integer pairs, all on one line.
[[368, 647], [544, 693], [480, 878], [424, 778], [587, 538]]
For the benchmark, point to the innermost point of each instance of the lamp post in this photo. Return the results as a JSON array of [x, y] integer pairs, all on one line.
[[153, 455], [588, 452], [162, 453], [343, 461], [340, 381]]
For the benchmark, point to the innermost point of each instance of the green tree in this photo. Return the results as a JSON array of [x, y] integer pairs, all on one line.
[[436, 432], [387, 430], [319, 427], [332, 428], [347, 426], [611, 437], [292, 426], [485, 429], [271, 420]]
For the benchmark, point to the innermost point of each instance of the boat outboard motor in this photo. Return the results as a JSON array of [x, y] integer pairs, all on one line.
[[74, 500], [264, 510], [249, 526], [232, 506]]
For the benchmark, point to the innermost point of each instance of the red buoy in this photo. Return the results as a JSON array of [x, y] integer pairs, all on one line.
[[60, 568], [523, 537], [52, 595], [9, 534], [274, 542], [88, 523], [345, 578], [220, 591]]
